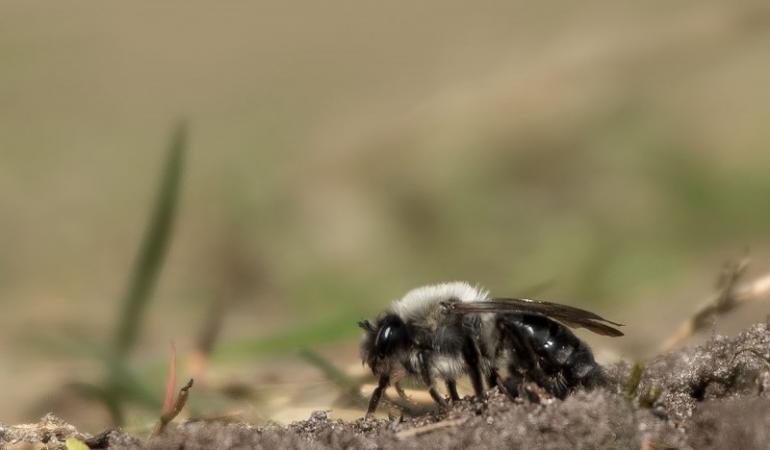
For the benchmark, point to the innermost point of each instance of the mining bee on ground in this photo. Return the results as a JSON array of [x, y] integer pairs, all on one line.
[[444, 331]]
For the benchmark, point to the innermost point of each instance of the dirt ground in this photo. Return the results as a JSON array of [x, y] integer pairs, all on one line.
[[714, 396]]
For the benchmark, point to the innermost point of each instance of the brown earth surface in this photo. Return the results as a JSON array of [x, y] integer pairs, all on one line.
[[713, 396]]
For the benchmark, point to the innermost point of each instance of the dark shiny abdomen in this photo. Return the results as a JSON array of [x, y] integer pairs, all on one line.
[[548, 353]]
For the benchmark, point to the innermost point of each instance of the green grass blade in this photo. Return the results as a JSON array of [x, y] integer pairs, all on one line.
[[154, 246], [632, 385]]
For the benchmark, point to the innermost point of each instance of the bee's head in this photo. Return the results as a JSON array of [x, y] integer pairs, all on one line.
[[382, 339]]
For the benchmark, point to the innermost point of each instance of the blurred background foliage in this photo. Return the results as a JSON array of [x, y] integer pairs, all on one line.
[[602, 154]]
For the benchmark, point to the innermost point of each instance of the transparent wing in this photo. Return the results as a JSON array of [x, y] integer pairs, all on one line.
[[568, 315]]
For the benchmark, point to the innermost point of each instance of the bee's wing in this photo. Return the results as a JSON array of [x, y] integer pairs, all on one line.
[[569, 315]]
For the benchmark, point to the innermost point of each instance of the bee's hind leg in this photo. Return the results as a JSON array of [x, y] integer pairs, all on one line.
[[451, 387], [511, 385], [526, 361], [471, 357], [493, 377], [515, 386]]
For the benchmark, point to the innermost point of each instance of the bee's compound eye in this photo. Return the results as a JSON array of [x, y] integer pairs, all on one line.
[[389, 337], [383, 337]]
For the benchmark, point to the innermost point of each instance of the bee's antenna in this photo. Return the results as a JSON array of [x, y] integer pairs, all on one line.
[[366, 325]]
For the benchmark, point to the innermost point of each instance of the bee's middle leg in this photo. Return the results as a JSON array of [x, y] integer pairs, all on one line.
[[427, 378], [401, 392]]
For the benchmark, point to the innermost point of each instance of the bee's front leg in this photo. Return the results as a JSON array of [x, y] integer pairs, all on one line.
[[377, 394], [401, 392]]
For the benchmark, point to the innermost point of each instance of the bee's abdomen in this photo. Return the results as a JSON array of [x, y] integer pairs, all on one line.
[[556, 351]]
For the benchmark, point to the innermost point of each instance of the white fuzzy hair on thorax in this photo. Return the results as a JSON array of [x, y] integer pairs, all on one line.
[[420, 301]]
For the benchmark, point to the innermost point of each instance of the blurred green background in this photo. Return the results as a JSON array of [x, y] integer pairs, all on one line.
[[340, 153]]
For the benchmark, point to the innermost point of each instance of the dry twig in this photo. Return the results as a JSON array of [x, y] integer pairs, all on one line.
[[428, 428], [99, 441], [730, 294], [754, 352]]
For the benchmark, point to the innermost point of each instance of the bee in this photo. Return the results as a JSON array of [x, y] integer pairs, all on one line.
[[442, 332]]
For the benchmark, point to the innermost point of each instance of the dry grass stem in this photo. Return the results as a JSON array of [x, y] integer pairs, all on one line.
[[174, 411]]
